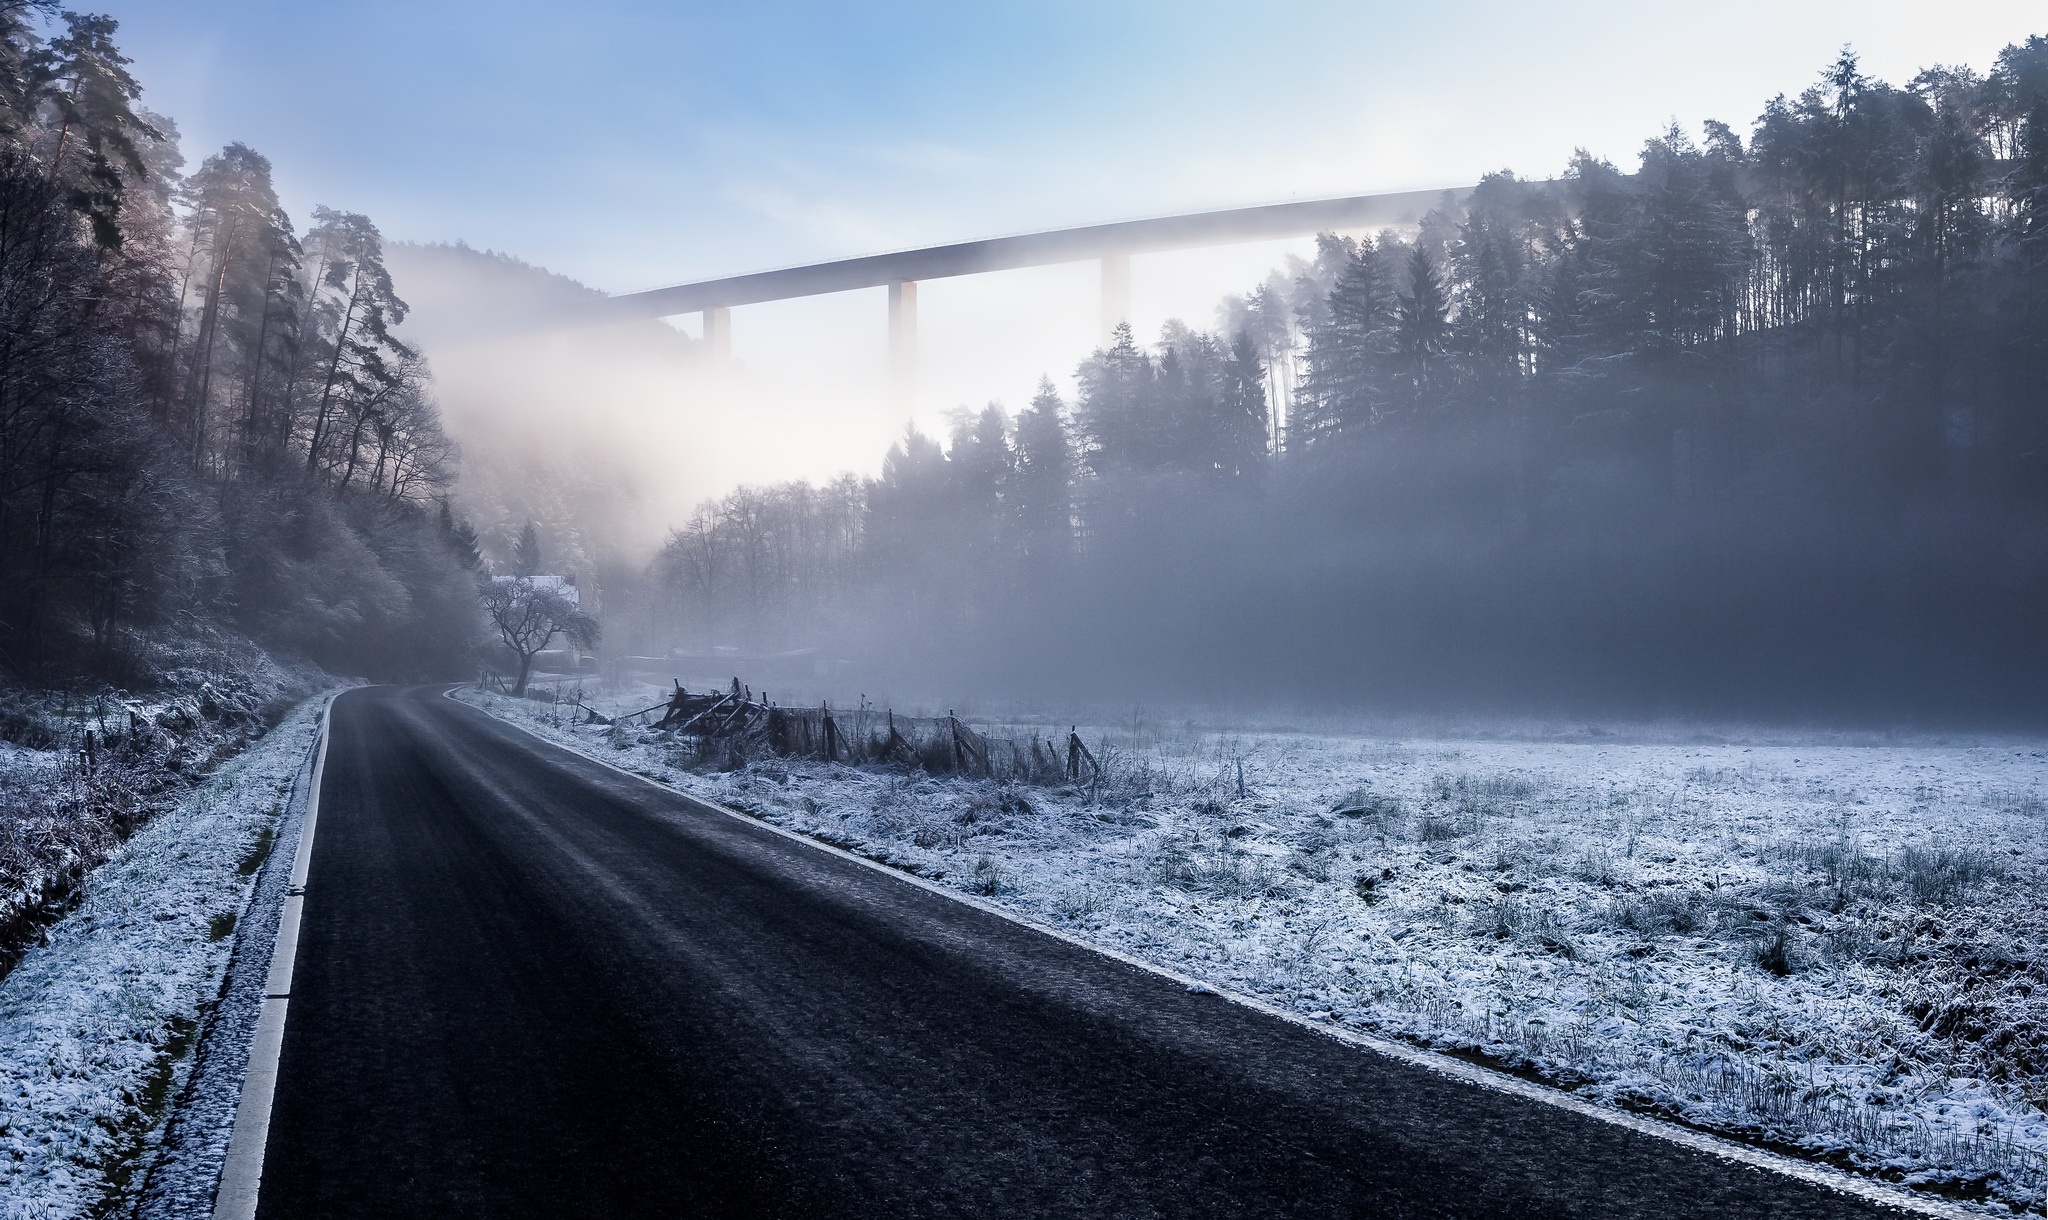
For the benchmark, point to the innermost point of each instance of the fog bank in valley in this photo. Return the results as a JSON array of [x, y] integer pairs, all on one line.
[[1750, 424], [604, 434]]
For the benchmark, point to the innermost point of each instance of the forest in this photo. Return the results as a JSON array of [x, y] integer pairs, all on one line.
[[1754, 427], [209, 433]]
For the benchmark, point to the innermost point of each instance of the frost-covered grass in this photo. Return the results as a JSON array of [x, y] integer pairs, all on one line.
[[79, 773], [1837, 949], [95, 1023]]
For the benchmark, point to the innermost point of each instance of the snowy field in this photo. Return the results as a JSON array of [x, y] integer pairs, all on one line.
[[95, 1024], [1839, 949]]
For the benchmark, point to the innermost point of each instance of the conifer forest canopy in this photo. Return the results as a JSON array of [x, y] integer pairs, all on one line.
[[207, 428], [1753, 426]]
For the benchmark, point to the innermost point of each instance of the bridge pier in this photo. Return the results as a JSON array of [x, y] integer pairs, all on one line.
[[1116, 294], [903, 348], [718, 333]]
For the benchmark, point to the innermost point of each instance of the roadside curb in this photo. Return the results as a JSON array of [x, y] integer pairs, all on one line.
[[242, 1173], [1813, 1173]]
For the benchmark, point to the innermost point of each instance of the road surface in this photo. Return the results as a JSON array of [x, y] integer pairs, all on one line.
[[528, 985]]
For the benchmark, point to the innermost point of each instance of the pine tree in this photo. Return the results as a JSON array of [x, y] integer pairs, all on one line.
[[980, 459], [1488, 266], [1244, 419], [238, 236], [1422, 331], [1682, 252], [96, 152], [1041, 496], [2022, 79], [1345, 387], [22, 86], [1111, 416], [460, 536], [526, 553], [356, 359]]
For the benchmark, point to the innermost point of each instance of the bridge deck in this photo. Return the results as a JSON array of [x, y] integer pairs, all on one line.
[[1039, 249]]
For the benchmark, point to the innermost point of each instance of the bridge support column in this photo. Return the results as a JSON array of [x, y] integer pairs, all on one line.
[[1116, 294], [718, 334], [903, 349]]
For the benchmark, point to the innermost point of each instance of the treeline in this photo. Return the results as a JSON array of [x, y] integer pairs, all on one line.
[[207, 424], [1754, 427]]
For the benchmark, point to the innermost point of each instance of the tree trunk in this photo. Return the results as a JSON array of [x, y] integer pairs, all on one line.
[[252, 427], [202, 370], [333, 370]]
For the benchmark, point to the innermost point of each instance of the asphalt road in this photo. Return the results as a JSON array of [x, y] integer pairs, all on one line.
[[530, 986]]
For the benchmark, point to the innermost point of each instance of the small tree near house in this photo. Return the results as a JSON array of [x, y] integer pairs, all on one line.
[[529, 612]]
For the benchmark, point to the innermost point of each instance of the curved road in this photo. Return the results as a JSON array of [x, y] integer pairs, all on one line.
[[528, 985]]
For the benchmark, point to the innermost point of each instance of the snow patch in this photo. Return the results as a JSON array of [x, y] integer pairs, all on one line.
[[96, 1023]]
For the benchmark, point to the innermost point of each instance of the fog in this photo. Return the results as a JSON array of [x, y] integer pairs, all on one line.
[[1748, 424], [608, 435]]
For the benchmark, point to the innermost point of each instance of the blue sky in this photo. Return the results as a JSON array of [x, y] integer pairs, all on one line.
[[629, 143]]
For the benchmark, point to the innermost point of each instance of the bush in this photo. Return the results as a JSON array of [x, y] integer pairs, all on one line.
[[1437, 828], [1940, 876], [1774, 952], [1225, 873], [987, 878], [1660, 911]]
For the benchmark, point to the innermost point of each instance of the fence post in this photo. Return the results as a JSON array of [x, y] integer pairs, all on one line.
[[1078, 750], [898, 743]]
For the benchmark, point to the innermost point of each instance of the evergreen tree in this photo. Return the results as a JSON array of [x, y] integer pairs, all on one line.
[[355, 358], [84, 79], [908, 511], [1112, 416], [1041, 496], [2022, 81], [980, 460], [1345, 387], [1422, 331], [236, 242], [21, 83], [1682, 253], [461, 539], [1243, 425], [1489, 264], [526, 553]]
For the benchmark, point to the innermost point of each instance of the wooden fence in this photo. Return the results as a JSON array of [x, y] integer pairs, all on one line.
[[941, 745]]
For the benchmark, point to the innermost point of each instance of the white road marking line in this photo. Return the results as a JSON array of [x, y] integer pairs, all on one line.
[[242, 1175], [1824, 1176]]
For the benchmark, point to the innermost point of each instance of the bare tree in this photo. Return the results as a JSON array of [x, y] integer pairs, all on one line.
[[529, 614]]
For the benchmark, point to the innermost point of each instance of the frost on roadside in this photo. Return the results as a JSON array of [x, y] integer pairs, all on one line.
[[1832, 947], [95, 1024]]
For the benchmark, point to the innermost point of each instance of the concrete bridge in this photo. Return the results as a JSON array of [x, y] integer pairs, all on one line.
[[1113, 244]]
